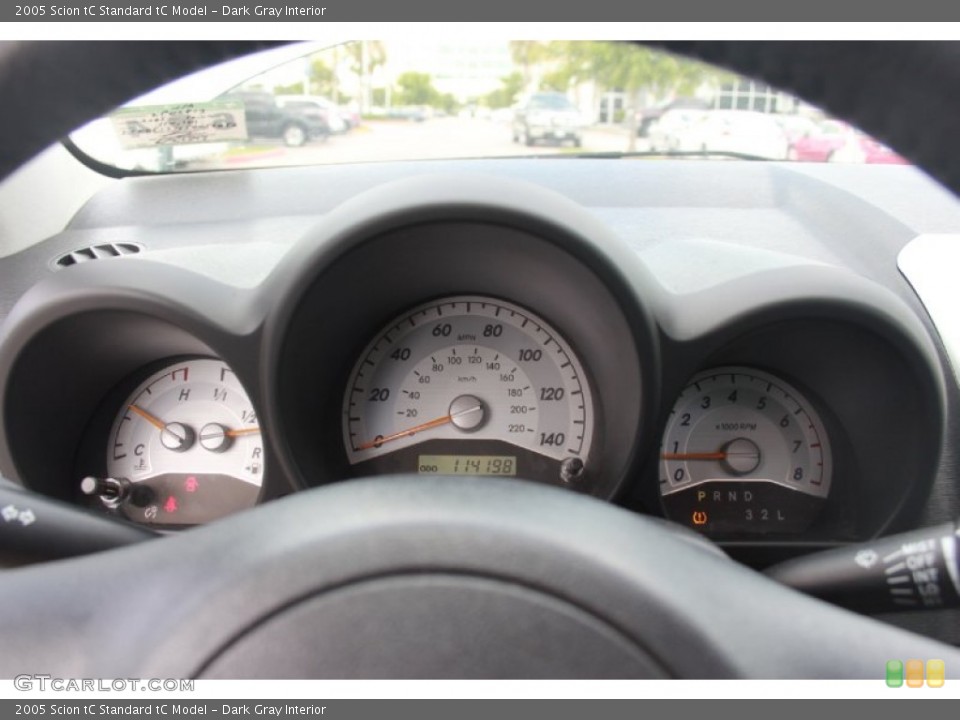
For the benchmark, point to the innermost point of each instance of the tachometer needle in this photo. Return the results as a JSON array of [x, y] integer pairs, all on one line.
[[152, 419], [694, 456]]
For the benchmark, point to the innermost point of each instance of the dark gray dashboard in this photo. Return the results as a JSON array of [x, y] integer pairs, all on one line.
[[656, 270]]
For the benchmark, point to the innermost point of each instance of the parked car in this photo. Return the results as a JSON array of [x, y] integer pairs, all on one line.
[[836, 141], [796, 126], [266, 118], [648, 116], [317, 106], [876, 153], [744, 132], [548, 116], [670, 132], [412, 113], [819, 143]]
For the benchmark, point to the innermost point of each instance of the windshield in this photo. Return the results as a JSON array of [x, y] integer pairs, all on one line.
[[374, 100]]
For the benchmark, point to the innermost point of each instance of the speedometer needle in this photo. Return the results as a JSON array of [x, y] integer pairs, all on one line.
[[457, 416], [380, 440]]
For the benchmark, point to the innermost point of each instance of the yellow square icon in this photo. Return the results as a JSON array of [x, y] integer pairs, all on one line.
[[935, 673], [914, 673]]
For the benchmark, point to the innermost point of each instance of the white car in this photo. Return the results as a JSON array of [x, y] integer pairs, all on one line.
[[739, 132], [671, 132]]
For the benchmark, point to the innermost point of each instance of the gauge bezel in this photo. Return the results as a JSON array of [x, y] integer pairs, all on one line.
[[567, 291], [805, 405], [91, 458], [547, 468], [228, 487]]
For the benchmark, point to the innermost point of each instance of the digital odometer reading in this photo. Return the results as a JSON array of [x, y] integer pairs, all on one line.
[[502, 465]]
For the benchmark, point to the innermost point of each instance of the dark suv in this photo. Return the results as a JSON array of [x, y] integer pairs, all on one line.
[[266, 119]]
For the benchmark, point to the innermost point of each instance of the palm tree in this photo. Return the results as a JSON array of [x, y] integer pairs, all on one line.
[[367, 56]]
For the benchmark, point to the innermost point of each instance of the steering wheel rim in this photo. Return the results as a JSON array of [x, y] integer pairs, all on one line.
[[567, 548], [597, 592]]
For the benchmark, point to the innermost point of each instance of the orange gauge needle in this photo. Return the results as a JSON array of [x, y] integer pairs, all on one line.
[[378, 441], [695, 456], [242, 431], [155, 421]]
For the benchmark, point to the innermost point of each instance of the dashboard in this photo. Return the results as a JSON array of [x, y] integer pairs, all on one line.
[[719, 344]]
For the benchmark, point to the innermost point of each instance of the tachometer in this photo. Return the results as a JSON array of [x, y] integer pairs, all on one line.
[[470, 385], [744, 452], [185, 447]]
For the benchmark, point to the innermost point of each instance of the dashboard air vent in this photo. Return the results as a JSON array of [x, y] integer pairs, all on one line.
[[95, 252]]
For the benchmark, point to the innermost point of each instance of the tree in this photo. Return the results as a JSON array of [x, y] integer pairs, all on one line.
[[293, 89], [367, 56], [321, 77], [527, 54], [416, 88], [506, 94], [631, 69]]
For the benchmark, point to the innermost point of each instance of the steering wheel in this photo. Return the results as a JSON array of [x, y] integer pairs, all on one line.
[[407, 577]]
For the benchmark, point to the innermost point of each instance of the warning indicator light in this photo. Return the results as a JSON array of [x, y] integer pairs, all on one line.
[[699, 517], [191, 484], [171, 505]]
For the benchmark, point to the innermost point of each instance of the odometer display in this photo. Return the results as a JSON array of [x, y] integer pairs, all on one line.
[[498, 465], [470, 378]]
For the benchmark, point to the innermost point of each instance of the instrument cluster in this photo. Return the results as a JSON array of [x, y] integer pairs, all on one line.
[[498, 340]]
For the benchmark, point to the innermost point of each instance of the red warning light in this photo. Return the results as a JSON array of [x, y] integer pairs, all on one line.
[[171, 505], [191, 484], [699, 517]]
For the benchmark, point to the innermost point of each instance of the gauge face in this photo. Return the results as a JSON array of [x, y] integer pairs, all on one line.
[[744, 452], [470, 386], [187, 440]]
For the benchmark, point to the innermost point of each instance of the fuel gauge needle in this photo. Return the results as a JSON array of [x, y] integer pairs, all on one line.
[[242, 431]]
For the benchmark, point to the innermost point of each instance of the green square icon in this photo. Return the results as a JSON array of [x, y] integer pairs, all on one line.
[[894, 673]]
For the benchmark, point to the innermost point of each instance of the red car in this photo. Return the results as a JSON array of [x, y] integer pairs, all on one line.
[[834, 141]]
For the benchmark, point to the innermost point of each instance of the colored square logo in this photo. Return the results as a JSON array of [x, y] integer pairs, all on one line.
[[894, 673], [936, 672], [914, 673]]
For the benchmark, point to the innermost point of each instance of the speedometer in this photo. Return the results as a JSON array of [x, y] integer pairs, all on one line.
[[470, 385]]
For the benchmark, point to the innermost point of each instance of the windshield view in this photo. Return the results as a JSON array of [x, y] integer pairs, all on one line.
[[403, 100]]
